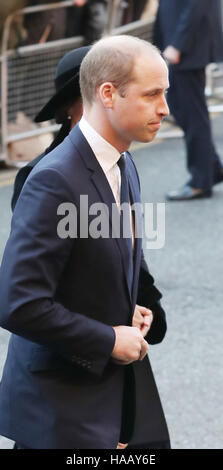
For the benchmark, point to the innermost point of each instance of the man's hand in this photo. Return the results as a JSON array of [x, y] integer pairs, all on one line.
[[129, 345], [121, 446], [79, 3], [172, 55], [142, 319]]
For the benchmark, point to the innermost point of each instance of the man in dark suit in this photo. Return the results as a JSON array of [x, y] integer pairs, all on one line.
[[189, 33], [77, 374]]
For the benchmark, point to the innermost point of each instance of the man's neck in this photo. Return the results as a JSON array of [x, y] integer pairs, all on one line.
[[104, 128]]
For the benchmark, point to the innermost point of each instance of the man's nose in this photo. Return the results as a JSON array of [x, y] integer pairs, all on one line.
[[163, 108]]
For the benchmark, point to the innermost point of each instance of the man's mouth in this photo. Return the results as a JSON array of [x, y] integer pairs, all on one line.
[[155, 125]]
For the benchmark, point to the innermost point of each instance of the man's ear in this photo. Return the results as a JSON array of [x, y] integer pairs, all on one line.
[[107, 93]]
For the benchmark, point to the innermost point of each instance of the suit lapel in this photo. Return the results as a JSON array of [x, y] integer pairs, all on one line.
[[105, 193], [135, 198]]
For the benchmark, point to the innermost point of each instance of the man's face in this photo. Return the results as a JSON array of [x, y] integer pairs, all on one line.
[[137, 115]]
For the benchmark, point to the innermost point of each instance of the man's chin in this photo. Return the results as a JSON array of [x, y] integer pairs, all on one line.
[[149, 138]]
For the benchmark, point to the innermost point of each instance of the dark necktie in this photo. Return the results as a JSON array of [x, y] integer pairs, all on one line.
[[126, 232]]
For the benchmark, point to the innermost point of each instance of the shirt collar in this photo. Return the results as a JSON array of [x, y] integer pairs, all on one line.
[[106, 154]]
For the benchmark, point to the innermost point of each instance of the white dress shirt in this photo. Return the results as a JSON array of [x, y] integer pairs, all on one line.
[[107, 157]]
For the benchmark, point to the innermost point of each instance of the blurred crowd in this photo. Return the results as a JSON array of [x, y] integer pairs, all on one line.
[[87, 18]]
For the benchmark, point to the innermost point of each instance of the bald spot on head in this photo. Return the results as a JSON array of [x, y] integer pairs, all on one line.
[[112, 59]]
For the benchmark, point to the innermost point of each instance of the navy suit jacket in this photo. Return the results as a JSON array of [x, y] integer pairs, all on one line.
[[60, 299], [192, 26]]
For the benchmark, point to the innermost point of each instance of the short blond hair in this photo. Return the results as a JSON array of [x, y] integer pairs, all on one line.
[[111, 59]]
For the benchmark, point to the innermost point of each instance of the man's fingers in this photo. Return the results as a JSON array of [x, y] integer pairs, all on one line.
[[144, 330], [121, 446], [144, 310], [128, 344], [143, 318], [141, 314], [172, 54], [144, 350], [147, 320]]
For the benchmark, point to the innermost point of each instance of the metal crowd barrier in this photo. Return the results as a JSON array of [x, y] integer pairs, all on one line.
[[27, 79]]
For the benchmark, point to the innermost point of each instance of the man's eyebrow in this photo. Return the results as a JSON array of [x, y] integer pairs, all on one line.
[[155, 90]]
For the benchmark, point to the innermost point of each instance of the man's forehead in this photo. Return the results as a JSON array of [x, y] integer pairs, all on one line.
[[150, 60], [153, 72]]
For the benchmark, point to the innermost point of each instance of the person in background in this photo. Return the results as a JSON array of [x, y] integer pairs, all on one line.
[[44, 26], [87, 18], [189, 32], [65, 106]]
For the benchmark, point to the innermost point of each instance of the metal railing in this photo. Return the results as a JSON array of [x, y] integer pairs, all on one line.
[[27, 78]]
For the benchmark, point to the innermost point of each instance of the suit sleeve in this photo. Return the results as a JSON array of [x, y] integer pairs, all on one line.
[[32, 264], [21, 178], [149, 296], [188, 23]]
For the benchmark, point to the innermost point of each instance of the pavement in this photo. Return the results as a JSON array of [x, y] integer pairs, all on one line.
[[188, 271]]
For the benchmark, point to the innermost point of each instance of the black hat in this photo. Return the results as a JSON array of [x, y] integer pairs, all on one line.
[[66, 82]]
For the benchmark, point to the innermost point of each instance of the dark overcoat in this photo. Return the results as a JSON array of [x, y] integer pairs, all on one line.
[[60, 298], [192, 26]]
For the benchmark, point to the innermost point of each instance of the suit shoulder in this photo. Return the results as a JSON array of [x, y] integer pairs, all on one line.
[[63, 159]]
